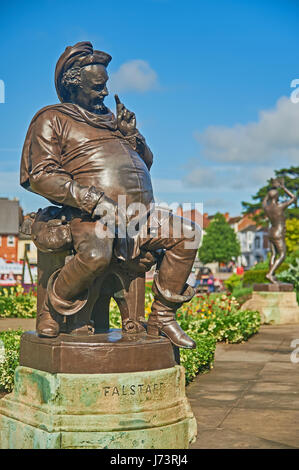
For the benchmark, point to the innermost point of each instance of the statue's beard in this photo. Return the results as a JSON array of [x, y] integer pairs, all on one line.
[[99, 108]]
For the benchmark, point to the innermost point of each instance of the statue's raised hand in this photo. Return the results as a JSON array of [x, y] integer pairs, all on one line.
[[277, 182], [126, 120]]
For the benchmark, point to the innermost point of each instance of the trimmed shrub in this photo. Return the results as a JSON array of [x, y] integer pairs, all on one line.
[[233, 282], [9, 360], [258, 275], [201, 359]]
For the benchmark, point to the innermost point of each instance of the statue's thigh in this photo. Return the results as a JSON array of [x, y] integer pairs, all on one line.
[[89, 242], [171, 230], [279, 245]]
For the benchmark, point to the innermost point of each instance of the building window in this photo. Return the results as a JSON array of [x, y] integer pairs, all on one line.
[[27, 247], [257, 242], [10, 240]]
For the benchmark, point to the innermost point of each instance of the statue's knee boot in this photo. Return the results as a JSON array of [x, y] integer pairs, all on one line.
[[162, 319], [48, 323], [68, 292], [77, 311]]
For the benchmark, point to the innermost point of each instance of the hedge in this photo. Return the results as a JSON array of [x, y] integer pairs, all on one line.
[[9, 357], [259, 275]]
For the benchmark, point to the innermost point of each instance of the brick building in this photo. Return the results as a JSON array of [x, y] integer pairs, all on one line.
[[10, 213]]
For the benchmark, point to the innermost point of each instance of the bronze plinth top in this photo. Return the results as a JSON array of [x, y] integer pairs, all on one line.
[[104, 353]]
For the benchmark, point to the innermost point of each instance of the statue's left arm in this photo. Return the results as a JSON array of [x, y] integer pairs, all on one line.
[[290, 201]]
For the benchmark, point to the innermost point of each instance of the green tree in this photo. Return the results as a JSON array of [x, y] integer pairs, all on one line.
[[219, 243], [292, 235], [291, 179]]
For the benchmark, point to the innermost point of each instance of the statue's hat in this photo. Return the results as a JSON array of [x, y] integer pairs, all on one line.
[[80, 54]]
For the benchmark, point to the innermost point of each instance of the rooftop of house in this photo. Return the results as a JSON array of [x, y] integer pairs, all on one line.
[[9, 216], [247, 223], [201, 219], [234, 220]]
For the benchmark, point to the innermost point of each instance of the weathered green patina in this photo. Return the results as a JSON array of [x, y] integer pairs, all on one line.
[[118, 411]]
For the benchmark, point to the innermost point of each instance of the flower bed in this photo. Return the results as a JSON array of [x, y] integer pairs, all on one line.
[[208, 319], [16, 303]]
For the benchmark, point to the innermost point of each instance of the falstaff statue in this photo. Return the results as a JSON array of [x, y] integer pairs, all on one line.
[[83, 158]]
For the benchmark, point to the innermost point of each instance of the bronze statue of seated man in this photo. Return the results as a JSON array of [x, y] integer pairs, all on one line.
[[78, 155]]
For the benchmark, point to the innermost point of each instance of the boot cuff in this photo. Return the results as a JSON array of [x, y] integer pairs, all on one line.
[[166, 295], [62, 306]]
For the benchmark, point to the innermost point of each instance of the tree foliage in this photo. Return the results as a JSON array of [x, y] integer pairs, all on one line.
[[219, 243], [291, 178], [292, 235]]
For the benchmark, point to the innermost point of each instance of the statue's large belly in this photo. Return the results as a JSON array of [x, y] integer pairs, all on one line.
[[114, 168]]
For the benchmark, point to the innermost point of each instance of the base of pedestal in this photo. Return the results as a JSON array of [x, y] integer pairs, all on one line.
[[139, 410], [277, 307]]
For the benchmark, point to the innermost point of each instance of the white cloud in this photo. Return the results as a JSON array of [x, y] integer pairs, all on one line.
[[215, 204], [164, 185], [134, 75], [235, 177], [273, 138], [202, 178]]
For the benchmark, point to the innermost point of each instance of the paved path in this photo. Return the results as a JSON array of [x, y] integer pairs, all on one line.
[[15, 323], [251, 397]]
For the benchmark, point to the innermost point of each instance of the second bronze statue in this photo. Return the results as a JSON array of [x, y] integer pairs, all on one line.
[[79, 155], [275, 213]]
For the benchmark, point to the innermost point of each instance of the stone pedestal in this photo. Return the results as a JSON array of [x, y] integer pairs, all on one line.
[[138, 410], [78, 404], [276, 303]]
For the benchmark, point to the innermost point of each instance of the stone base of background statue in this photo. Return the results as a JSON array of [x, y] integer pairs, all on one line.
[[70, 405], [276, 303]]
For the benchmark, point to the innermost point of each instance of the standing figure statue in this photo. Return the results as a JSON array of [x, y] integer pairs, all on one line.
[[275, 213], [80, 156]]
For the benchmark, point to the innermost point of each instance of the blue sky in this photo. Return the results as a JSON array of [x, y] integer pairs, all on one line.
[[208, 81]]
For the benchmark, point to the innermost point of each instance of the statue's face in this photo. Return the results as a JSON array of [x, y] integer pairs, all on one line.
[[92, 91]]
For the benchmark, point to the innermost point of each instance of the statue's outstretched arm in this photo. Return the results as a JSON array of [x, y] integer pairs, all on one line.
[[291, 200]]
